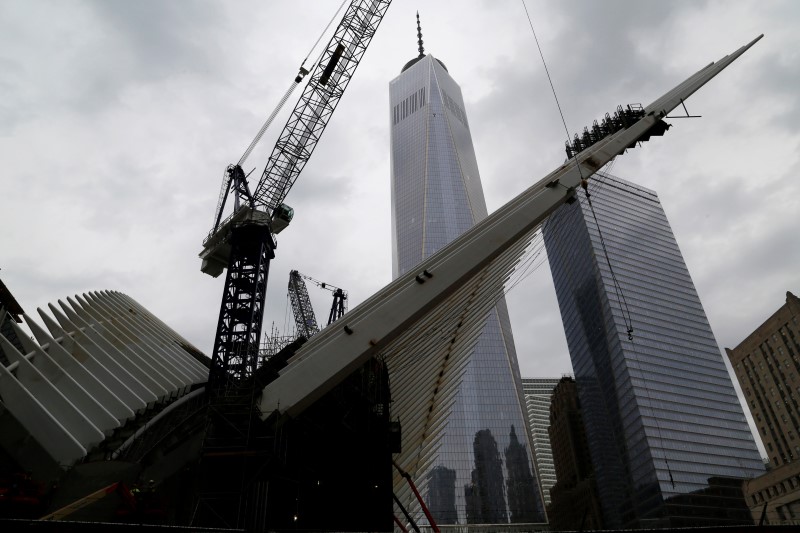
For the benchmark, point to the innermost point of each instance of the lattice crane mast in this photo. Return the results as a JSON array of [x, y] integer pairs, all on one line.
[[243, 242], [304, 319]]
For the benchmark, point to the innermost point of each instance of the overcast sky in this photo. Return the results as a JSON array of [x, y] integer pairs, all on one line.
[[118, 118]]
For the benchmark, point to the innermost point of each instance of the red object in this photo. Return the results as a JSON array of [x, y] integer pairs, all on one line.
[[400, 525], [428, 515]]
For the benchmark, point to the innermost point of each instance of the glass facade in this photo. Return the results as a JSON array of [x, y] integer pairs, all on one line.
[[483, 469], [661, 413], [538, 394]]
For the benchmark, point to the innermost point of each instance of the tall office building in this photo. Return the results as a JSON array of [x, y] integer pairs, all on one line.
[[538, 393], [480, 465], [661, 413]]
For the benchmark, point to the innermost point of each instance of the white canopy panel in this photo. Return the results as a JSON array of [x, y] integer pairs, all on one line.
[[104, 360]]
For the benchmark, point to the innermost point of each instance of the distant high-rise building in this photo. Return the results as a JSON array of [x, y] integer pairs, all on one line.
[[574, 503], [437, 196], [538, 393], [660, 410], [767, 364]]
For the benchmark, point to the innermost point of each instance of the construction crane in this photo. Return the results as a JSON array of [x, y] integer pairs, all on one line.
[[243, 242], [304, 319], [231, 493]]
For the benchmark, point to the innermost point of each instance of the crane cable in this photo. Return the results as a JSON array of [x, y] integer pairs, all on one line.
[[547, 71], [585, 185], [323, 33], [526, 265], [269, 120], [617, 286], [298, 79]]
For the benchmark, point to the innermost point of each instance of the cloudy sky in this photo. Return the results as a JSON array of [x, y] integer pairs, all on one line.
[[118, 118]]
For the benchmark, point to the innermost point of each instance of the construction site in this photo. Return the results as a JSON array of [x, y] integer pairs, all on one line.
[[112, 420]]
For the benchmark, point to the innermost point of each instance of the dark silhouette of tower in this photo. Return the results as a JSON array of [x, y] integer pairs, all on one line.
[[442, 494], [519, 482], [486, 502], [574, 502]]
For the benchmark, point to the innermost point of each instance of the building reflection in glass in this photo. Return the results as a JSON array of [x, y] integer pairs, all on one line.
[[485, 498], [442, 494], [519, 482]]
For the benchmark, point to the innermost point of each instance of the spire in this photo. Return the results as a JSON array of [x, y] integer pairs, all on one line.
[[419, 37], [421, 49]]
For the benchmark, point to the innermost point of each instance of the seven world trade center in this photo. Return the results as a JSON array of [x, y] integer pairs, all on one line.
[[482, 468], [666, 431]]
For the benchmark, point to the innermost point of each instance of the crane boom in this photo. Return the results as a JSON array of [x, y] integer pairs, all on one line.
[[242, 243], [304, 319], [300, 303], [320, 97], [298, 138]]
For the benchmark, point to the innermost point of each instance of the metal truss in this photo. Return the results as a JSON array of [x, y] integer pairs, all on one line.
[[236, 344], [320, 97], [304, 319]]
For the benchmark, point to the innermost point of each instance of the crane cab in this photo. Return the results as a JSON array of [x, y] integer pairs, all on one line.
[[281, 216]]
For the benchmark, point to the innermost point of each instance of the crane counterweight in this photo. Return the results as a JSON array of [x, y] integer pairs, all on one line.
[[217, 247]]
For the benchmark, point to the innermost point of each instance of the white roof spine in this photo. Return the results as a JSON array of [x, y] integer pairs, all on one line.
[[97, 316], [141, 335], [75, 347], [89, 381], [371, 327], [120, 366], [130, 359]]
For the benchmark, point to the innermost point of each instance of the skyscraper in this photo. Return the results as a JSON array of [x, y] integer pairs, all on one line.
[[661, 413], [436, 196], [538, 393]]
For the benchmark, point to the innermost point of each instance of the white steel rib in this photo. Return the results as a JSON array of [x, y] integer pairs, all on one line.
[[105, 360]]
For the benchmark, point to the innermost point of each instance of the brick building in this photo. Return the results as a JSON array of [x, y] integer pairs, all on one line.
[[767, 365]]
